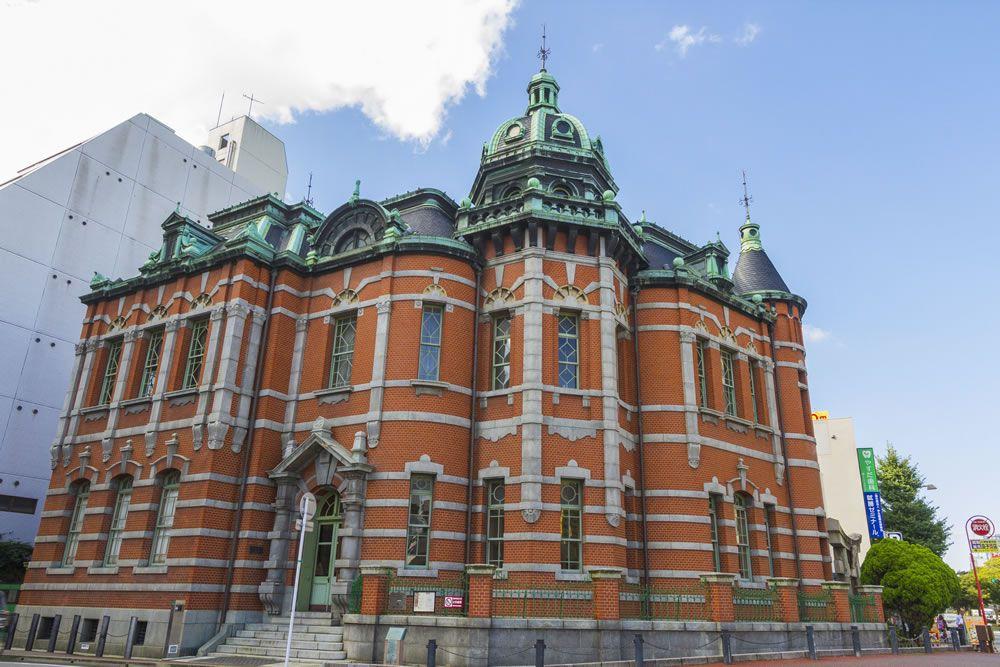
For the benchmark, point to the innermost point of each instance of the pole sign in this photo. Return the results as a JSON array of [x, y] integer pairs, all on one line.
[[981, 527], [872, 496], [987, 546]]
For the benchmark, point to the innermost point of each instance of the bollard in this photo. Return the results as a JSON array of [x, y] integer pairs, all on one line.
[[539, 653], [856, 640], [639, 658], [29, 643], [927, 641], [893, 640], [133, 625], [955, 643], [432, 647], [102, 636], [54, 634], [727, 647], [73, 630], [11, 629], [811, 642]]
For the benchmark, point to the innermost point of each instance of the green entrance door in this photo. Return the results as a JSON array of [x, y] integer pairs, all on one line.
[[321, 549]]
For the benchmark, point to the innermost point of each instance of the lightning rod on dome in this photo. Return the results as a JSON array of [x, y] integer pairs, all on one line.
[[746, 199], [544, 52]]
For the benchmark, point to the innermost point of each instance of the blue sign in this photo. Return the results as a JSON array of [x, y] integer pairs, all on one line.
[[873, 514]]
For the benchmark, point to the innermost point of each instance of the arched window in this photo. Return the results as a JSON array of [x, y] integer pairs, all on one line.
[[353, 239], [562, 190], [81, 493], [742, 504], [123, 497], [512, 191], [170, 486]]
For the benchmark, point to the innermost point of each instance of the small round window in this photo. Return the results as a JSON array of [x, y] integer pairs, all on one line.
[[514, 132], [563, 127]]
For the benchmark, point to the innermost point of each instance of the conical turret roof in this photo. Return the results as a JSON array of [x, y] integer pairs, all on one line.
[[754, 270]]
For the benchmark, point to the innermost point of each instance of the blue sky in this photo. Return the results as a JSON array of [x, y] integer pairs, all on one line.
[[870, 134]]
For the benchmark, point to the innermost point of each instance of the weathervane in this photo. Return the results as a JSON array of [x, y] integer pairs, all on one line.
[[746, 195], [252, 100], [543, 52], [309, 190]]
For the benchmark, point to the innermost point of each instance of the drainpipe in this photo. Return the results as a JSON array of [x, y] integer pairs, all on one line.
[[472, 417], [642, 445], [784, 452], [251, 430]]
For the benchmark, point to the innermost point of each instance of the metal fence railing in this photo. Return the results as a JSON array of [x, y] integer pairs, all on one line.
[[667, 603], [862, 608], [447, 589], [536, 596], [816, 607], [755, 604]]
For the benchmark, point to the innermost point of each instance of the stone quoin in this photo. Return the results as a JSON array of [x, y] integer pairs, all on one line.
[[523, 388]]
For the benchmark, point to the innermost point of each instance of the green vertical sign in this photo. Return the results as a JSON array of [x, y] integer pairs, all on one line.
[[866, 464]]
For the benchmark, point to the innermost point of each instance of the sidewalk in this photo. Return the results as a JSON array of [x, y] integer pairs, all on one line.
[[915, 659]]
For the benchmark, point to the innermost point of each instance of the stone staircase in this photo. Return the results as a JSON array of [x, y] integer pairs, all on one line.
[[314, 639]]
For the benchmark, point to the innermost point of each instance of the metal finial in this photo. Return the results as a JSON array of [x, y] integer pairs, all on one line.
[[746, 195], [309, 190], [252, 100], [544, 52]]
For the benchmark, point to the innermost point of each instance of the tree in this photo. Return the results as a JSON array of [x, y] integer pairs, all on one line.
[[14, 557], [904, 509], [989, 579], [917, 584]]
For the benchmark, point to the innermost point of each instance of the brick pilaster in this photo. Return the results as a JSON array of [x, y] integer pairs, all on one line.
[[480, 602], [607, 591], [787, 598], [875, 592], [719, 593], [374, 590], [838, 591]]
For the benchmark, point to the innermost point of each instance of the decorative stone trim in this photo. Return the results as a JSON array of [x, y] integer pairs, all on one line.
[[428, 387], [94, 413], [333, 395], [181, 397], [134, 406], [60, 569], [149, 569]]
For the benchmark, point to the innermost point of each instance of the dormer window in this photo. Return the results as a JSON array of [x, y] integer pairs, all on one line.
[[514, 132]]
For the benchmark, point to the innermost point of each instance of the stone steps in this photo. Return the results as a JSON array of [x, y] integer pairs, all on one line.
[[313, 639]]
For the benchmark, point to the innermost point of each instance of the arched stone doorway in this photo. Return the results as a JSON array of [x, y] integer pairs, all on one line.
[[320, 553]]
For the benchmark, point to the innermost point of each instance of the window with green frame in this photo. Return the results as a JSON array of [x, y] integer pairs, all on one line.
[[123, 497], [753, 391], [151, 365], [768, 526], [195, 354], [501, 352], [741, 503], [571, 524], [343, 350], [165, 517], [418, 524], [728, 382], [568, 350], [702, 378], [430, 342], [713, 522], [81, 493], [110, 375], [494, 521]]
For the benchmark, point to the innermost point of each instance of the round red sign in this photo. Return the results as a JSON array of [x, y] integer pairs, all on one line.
[[981, 526]]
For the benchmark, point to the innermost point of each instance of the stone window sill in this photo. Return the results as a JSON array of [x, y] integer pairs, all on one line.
[[103, 569], [60, 569], [572, 576], [149, 569], [428, 387], [180, 397], [94, 412], [136, 405], [334, 394]]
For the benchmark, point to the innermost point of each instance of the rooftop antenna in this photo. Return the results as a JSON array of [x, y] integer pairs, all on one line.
[[218, 119], [252, 100], [309, 190], [746, 195], [544, 52]]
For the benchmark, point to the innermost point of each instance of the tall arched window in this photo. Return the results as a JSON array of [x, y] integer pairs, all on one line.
[[123, 497], [742, 503], [170, 486], [81, 493]]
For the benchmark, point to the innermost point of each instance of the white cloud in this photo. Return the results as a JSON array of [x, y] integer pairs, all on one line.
[[749, 34], [596, 48], [683, 39], [814, 334], [73, 69]]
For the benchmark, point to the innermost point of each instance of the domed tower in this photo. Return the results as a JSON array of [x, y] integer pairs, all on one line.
[[557, 254], [756, 277]]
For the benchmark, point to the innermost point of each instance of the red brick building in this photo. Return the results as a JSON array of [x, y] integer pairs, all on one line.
[[525, 379]]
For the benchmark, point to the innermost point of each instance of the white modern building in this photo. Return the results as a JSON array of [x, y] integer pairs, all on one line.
[[94, 207], [843, 498]]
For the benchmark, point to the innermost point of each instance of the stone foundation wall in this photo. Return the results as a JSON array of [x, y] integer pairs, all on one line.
[[477, 642]]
